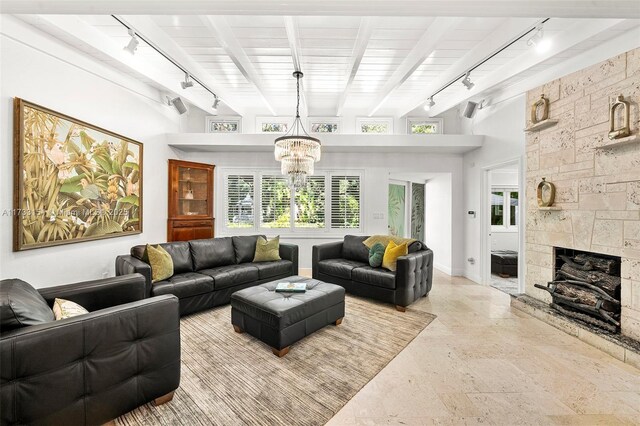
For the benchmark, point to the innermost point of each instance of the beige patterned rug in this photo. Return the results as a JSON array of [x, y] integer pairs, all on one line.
[[234, 379]]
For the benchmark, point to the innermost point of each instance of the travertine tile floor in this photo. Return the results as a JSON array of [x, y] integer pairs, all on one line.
[[481, 362]]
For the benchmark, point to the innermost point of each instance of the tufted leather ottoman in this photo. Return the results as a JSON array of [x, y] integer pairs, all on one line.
[[281, 319]]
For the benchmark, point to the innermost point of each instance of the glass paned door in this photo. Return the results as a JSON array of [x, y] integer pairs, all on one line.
[[192, 191]]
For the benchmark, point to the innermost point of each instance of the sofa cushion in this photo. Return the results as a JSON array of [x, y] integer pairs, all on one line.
[[184, 285], [21, 305], [354, 249], [180, 254], [63, 309], [212, 252], [232, 275], [272, 269], [376, 253], [378, 277], [245, 247], [340, 268], [416, 246]]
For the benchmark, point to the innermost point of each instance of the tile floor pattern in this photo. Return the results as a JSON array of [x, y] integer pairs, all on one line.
[[481, 362]]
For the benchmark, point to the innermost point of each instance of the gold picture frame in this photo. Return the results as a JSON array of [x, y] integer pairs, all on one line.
[[73, 181]]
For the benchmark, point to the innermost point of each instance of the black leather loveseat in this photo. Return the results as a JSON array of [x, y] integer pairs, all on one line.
[[92, 368], [207, 272], [346, 263]]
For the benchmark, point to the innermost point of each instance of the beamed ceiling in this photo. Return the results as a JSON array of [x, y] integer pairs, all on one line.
[[373, 65]]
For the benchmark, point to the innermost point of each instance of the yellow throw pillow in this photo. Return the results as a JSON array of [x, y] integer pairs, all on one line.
[[384, 240], [267, 251], [161, 263], [67, 309], [392, 253]]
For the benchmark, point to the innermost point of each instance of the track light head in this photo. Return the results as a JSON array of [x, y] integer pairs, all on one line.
[[132, 46], [214, 107], [430, 103], [539, 41], [187, 81], [178, 104], [467, 81]]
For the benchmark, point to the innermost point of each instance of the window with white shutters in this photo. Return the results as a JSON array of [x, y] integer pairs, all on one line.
[[275, 202], [345, 202], [240, 204], [310, 204]]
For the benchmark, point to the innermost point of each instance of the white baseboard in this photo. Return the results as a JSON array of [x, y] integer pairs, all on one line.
[[442, 268], [475, 278]]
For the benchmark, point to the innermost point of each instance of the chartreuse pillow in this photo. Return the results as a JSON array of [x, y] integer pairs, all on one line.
[[267, 251], [392, 253], [161, 263], [384, 240], [376, 253]]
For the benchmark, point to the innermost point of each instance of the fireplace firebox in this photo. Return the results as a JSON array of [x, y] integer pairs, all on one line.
[[586, 287]]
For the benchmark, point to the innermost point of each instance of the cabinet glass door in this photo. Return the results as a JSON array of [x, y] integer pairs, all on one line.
[[192, 191]]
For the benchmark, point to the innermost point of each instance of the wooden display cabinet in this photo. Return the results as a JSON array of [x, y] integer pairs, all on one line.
[[190, 201]]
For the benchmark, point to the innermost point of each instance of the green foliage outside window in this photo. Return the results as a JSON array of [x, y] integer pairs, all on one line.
[[374, 128], [424, 129]]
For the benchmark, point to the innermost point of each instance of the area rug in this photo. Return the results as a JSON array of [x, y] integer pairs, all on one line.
[[234, 379]]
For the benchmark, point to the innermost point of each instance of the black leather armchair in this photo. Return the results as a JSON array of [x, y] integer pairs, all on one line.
[[346, 263], [92, 368]]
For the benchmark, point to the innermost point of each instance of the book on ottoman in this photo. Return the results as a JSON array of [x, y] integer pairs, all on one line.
[[291, 287]]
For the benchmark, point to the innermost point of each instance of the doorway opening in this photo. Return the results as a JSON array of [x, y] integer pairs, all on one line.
[[502, 223]]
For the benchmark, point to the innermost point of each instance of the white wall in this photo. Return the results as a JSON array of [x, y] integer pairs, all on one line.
[[502, 126], [376, 168], [57, 76], [439, 225]]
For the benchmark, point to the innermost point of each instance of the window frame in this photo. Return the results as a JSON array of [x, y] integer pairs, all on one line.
[[439, 122], [260, 120], [506, 208], [324, 120], [374, 120], [291, 231], [222, 119]]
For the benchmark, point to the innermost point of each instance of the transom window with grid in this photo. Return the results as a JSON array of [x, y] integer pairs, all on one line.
[[262, 201]]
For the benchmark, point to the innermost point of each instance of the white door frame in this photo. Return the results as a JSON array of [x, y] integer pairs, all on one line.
[[485, 221]]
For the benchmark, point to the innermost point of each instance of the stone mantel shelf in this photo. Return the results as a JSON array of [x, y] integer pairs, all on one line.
[[629, 140], [263, 142], [550, 209], [541, 125]]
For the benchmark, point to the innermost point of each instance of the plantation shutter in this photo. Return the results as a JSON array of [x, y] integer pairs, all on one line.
[[275, 209], [240, 203], [310, 204], [345, 202]]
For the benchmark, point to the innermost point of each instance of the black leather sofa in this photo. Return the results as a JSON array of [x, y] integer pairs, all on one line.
[[92, 368], [207, 272], [346, 263]]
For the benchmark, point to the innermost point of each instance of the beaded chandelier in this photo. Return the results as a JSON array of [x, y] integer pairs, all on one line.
[[296, 150]]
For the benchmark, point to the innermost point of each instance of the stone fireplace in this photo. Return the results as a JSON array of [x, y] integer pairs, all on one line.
[[586, 288], [597, 207]]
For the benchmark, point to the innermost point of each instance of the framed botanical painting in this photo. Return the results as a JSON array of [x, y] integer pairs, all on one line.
[[73, 181]]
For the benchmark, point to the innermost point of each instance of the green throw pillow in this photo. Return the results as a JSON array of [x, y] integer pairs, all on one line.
[[161, 263], [267, 251], [376, 253]]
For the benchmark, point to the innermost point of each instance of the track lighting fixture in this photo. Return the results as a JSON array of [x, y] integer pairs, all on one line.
[[132, 46], [187, 81], [467, 81], [430, 103], [178, 104], [214, 107], [539, 41]]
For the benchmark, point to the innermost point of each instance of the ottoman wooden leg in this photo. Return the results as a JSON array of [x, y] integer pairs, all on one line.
[[163, 399], [238, 329], [401, 308], [281, 352], [338, 321]]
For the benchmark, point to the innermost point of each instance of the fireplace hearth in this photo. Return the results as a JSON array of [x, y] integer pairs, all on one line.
[[586, 287]]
